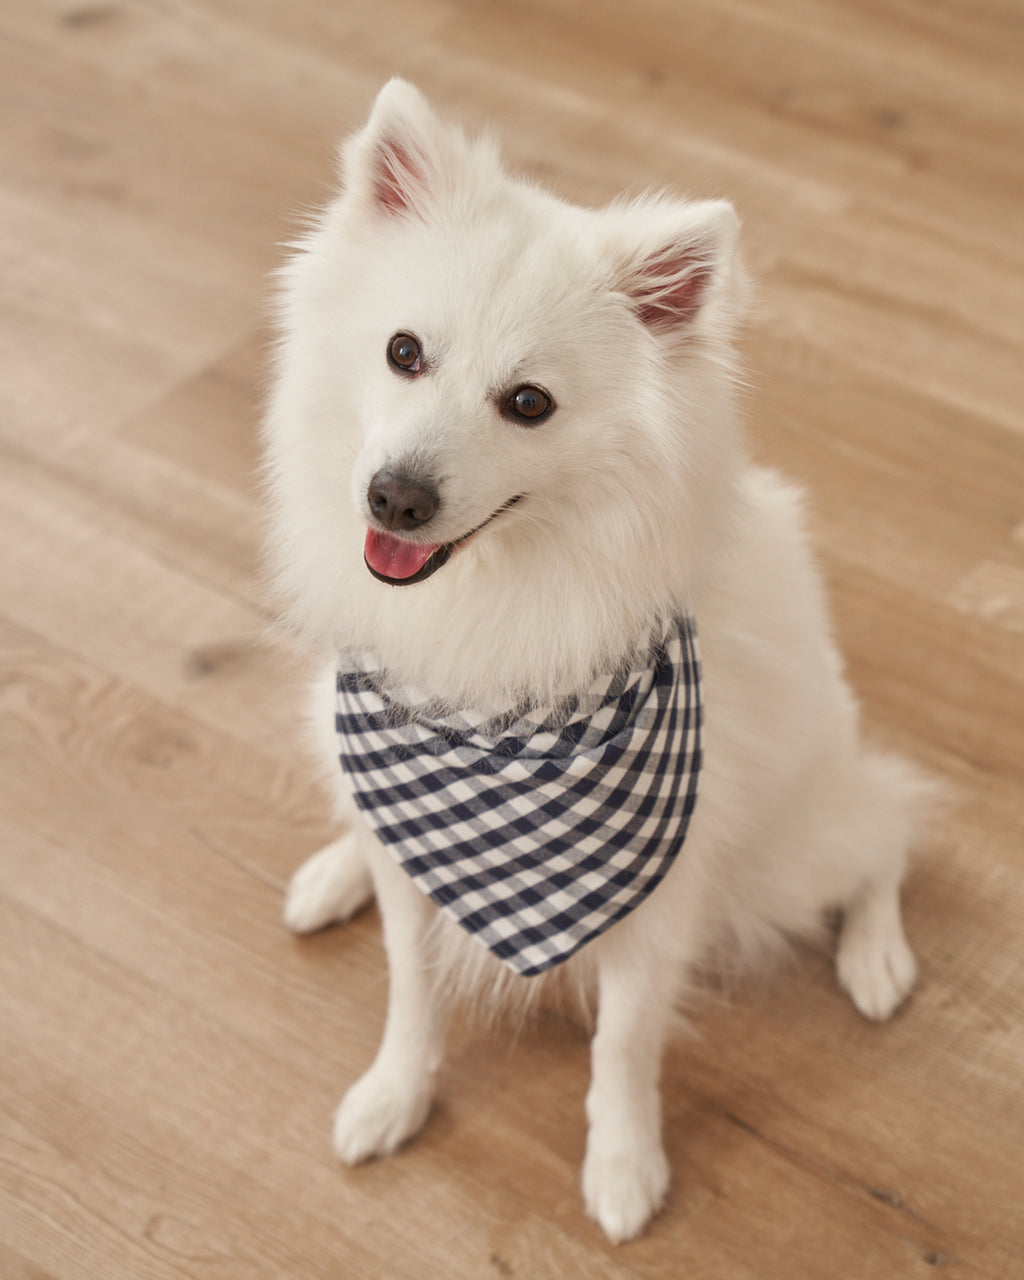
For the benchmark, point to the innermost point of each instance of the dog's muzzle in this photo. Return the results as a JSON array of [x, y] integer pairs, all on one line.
[[399, 561]]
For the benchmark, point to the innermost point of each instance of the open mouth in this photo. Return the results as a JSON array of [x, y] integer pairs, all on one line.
[[400, 563]]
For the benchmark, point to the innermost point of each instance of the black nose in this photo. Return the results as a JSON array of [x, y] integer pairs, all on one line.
[[401, 503]]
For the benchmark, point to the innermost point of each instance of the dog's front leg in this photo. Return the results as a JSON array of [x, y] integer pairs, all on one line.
[[390, 1103], [625, 1172]]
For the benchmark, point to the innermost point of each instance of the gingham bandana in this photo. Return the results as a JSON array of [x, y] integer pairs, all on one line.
[[538, 830]]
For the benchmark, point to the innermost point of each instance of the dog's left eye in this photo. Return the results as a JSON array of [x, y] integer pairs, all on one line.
[[404, 353], [530, 405]]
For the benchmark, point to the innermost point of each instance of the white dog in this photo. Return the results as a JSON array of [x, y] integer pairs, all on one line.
[[522, 412]]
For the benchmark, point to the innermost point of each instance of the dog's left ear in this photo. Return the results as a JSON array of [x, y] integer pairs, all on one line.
[[681, 273]]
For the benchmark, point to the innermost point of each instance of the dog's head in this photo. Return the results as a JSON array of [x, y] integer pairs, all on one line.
[[525, 401]]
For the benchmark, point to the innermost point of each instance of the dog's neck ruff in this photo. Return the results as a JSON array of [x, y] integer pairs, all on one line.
[[538, 830]]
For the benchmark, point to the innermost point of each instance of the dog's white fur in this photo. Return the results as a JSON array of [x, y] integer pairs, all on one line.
[[639, 500]]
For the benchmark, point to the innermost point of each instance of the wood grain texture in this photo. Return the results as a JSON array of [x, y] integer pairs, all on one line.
[[169, 1056]]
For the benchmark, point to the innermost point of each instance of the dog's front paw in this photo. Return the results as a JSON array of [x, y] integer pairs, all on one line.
[[624, 1186], [377, 1115], [330, 886]]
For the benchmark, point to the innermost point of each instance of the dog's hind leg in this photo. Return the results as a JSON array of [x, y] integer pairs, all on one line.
[[335, 883], [874, 963], [390, 1103], [329, 887]]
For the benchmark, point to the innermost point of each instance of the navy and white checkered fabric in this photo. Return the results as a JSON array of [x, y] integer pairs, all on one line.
[[538, 830]]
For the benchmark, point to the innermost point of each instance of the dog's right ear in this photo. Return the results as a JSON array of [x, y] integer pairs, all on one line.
[[392, 166]]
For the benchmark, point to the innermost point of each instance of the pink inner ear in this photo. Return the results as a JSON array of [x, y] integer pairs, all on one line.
[[669, 289], [397, 177]]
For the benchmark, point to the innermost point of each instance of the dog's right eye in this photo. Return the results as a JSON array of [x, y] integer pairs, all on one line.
[[404, 354]]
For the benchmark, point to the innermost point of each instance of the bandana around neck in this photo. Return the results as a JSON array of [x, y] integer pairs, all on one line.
[[539, 829]]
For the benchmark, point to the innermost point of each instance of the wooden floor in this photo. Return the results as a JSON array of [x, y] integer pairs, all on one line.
[[169, 1056]]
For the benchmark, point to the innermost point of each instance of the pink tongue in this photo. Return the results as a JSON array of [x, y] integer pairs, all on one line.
[[394, 557]]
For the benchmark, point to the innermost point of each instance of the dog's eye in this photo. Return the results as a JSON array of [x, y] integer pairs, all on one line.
[[529, 405], [404, 353]]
